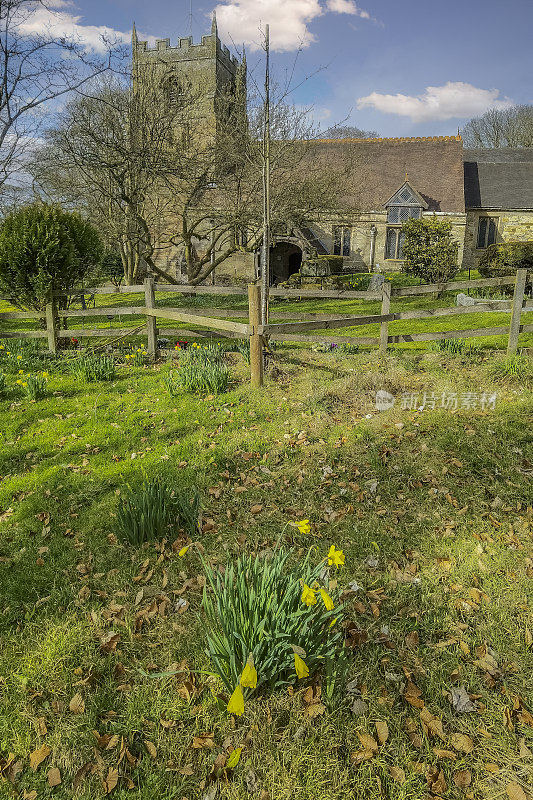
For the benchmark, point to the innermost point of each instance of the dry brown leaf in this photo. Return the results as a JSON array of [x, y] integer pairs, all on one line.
[[111, 780], [462, 778], [256, 509], [432, 725], [150, 746], [315, 710], [515, 791], [361, 755], [77, 705], [80, 775], [445, 753], [412, 639], [438, 786], [462, 742], [397, 774], [29, 795], [491, 767], [382, 730], [54, 777], [412, 695], [38, 756], [368, 742]]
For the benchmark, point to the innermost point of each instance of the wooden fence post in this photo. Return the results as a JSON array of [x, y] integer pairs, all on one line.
[[256, 341], [518, 302], [385, 309], [51, 324], [151, 327]]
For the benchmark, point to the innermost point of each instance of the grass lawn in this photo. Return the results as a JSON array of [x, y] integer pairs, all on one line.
[[432, 508]]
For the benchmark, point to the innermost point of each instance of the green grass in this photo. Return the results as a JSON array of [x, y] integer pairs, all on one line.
[[433, 512]]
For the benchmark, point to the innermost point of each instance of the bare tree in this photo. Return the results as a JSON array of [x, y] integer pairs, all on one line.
[[36, 69], [118, 154], [348, 132], [509, 127]]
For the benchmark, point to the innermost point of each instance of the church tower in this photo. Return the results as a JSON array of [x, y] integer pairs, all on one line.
[[206, 70]]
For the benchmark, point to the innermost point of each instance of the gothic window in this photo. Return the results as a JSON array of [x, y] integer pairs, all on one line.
[[394, 243], [486, 231], [405, 204], [341, 241]]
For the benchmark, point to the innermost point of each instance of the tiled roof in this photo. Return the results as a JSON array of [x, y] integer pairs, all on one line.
[[500, 178], [433, 164]]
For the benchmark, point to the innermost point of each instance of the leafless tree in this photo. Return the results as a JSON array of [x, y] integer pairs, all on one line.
[[348, 132], [37, 69], [509, 127]]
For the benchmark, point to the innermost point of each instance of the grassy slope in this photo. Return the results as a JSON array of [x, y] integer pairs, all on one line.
[[452, 509]]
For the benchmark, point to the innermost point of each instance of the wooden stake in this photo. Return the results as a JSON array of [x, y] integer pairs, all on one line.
[[151, 327], [51, 326], [518, 302], [385, 309], [256, 341]]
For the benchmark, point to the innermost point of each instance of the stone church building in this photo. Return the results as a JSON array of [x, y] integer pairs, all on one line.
[[487, 195]]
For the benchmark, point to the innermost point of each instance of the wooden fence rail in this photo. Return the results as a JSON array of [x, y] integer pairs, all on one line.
[[219, 320]]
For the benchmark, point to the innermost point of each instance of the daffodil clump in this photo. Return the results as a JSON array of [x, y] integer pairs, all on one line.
[[3, 383], [136, 356], [271, 623], [17, 354], [33, 386], [200, 368]]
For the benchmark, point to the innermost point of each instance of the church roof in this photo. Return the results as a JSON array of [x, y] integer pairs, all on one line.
[[499, 178], [433, 166]]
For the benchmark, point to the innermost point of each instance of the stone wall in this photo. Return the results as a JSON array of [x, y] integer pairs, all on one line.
[[512, 226]]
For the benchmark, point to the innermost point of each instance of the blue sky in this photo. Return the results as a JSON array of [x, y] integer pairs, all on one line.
[[410, 68]]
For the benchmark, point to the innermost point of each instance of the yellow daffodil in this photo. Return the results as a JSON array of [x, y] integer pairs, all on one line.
[[303, 526], [335, 557], [236, 702], [302, 670], [19, 358], [234, 757], [308, 596], [326, 599], [21, 372], [19, 383], [249, 674], [24, 384], [183, 550]]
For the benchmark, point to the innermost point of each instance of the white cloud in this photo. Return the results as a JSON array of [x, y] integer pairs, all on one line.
[[347, 7], [57, 22], [245, 20], [454, 99]]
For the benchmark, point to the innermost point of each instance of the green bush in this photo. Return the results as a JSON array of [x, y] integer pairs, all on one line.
[[255, 607], [96, 368], [155, 510], [504, 259], [42, 249], [429, 250]]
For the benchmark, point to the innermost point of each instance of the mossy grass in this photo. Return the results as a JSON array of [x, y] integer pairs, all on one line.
[[432, 509]]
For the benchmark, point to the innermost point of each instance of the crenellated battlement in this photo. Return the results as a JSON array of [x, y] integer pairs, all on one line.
[[187, 49]]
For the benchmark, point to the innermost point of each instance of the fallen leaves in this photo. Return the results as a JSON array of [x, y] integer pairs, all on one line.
[[462, 742], [110, 781], [462, 778], [460, 700], [77, 704], [515, 792], [382, 730], [54, 777], [38, 756], [431, 725]]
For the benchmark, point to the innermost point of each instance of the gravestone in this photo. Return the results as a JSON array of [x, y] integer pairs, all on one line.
[[464, 300], [376, 282]]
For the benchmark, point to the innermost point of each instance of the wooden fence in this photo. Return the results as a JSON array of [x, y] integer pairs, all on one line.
[[216, 320]]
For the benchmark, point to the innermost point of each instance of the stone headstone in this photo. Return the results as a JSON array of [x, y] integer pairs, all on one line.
[[376, 282], [464, 300]]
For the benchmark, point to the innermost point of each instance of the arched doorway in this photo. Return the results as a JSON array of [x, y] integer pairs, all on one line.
[[285, 260]]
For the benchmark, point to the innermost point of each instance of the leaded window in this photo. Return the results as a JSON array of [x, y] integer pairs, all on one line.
[[486, 231], [341, 241], [394, 243]]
